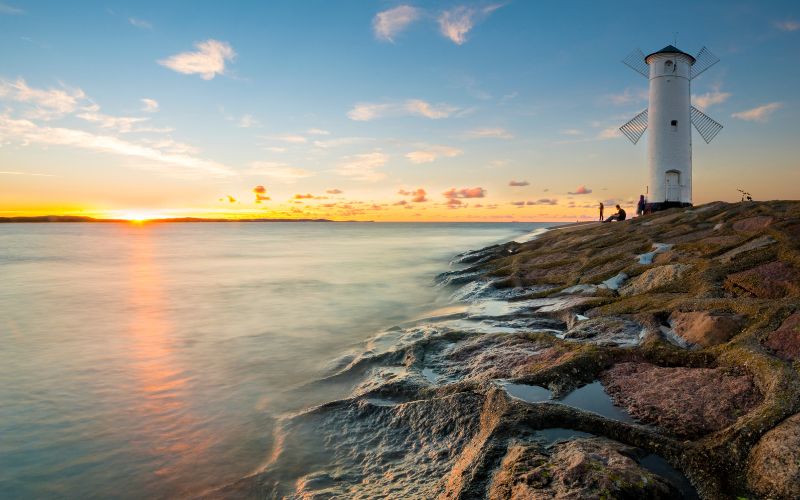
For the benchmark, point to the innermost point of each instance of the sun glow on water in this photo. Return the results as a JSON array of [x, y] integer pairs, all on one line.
[[136, 216]]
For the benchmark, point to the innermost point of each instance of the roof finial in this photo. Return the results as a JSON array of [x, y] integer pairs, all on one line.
[[675, 38]]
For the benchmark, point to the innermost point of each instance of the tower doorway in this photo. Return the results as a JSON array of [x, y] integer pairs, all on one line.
[[673, 185]]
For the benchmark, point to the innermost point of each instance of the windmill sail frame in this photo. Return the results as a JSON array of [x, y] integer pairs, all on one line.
[[705, 125], [635, 61], [704, 60], [635, 128]]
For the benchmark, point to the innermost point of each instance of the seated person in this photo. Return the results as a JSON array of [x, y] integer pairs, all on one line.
[[620, 215]]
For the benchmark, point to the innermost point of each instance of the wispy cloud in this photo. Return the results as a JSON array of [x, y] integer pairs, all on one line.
[[628, 96], [340, 141], [409, 107], [140, 23], [46, 104], [570, 131], [788, 25], [9, 9], [277, 170], [247, 121], [334, 191], [28, 132], [34, 174], [489, 133], [208, 61], [149, 105], [389, 23], [289, 138], [431, 153], [760, 114], [518, 183], [362, 167], [317, 131], [611, 132], [122, 124], [455, 23], [581, 190], [714, 96]]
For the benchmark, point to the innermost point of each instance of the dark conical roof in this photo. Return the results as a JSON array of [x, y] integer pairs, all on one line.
[[671, 49]]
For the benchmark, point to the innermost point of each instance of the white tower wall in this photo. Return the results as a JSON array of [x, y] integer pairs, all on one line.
[[669, 142]]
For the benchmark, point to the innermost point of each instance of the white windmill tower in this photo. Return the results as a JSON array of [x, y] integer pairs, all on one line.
[[668, 114]]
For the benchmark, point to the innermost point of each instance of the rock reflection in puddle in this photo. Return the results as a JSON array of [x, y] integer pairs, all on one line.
[[658, 465], [554, 434], [380, 402], [592, 397], [529, 393]]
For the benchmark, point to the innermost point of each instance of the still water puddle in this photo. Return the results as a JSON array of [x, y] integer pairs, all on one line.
[[591, 397], [529, 393]]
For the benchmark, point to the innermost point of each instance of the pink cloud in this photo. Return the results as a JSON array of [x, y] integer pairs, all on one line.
[[475, 192], [581, 190], [334, 191], [519, 183], [418, 195], [261, 194]]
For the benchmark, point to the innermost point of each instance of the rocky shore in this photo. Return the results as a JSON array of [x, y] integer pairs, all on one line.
[[654, 358]]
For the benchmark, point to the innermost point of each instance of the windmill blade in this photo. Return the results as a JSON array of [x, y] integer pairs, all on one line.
[[704, 60], [635, 128], [707, 126], [635, 61]]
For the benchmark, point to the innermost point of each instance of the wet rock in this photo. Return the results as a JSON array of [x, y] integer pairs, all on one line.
[[785, 341], [582, 290], [686, 402], [608, 331], [752, 224], [359, 449], [484, 254], [582, 468], [704, 328], [755, 244], [774, 464], [774, 280], [458, 277], [653, 279], [498, 357]]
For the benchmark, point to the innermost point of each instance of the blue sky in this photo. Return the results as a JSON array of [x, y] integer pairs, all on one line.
[[170, 107]]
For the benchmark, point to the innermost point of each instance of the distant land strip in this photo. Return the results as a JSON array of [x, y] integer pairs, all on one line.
[[78, 218]]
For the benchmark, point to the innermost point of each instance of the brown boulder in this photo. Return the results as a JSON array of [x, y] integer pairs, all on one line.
[[582, 468], [774, 280], [654, 278], [773, 469], [687, 402], [785, 341], [705, 329], [752, 224], [760, 242]]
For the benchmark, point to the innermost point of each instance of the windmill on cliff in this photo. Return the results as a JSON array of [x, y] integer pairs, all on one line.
[[668, 114]]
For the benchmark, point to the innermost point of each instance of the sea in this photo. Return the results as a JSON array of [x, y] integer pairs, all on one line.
[[153, 360]]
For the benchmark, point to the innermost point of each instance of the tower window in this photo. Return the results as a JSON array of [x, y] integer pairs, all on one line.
[[674, 123]]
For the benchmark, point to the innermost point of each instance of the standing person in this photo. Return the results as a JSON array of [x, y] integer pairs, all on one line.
[[640, 205], [601, 211]]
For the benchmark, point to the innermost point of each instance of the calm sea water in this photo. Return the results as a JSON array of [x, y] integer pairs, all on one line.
[[151, 360]]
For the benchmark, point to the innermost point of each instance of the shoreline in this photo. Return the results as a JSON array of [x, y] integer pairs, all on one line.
[[663, 345]]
